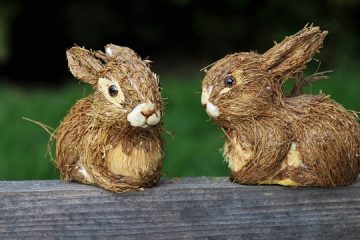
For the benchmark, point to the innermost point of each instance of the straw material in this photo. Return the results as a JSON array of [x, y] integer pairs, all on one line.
[[302, 140], [95, 133]]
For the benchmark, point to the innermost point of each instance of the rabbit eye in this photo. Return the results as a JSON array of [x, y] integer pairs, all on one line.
[[113, 91], [229, 81]]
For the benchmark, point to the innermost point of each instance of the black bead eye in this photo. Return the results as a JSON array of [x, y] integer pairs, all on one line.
[[229, 81], [113, 91]]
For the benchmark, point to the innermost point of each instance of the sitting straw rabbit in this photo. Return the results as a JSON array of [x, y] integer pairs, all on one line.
[[112, 138], [302, 140]]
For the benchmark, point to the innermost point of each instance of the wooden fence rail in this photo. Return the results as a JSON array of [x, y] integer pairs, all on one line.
[[186, 208]]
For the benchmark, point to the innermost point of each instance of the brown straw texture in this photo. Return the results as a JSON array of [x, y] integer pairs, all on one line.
[[95, 126], [301, 140]]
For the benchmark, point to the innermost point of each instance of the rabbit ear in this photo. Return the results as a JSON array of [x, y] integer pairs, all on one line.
[[84, 65], [291, 55], [120, 53]]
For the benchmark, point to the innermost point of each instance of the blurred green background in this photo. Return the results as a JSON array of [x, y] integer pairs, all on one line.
[[181, 37]]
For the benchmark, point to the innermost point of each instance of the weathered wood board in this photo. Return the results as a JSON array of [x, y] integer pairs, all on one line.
[[187, 208]]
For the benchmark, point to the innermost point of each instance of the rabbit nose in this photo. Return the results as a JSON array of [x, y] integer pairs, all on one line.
[[148, 112]]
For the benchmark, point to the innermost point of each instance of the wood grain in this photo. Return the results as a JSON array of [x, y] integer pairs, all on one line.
[[187, 208]]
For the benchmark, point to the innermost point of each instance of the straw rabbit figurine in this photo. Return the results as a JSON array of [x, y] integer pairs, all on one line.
[[302, 140], [112, 138]]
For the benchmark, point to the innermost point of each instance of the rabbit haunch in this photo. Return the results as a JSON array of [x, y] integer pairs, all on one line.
[[112, 138], [304, 140]]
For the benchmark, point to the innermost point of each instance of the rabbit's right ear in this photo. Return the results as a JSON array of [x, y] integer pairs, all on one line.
[[291, 55], [84, 65]]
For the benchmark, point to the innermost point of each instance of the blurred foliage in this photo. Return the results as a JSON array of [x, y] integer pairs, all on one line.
[[181, 36]]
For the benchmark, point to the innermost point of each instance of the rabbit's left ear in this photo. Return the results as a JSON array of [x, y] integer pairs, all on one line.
[[120, 53], [84, 65], [291, 55]]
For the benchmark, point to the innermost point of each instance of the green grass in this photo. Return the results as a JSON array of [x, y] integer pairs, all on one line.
[[192, 151]]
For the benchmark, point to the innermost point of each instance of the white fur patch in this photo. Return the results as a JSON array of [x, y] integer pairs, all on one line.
[[137, 119], [212, 110], [154, 119], [108, 51], [205, 95]]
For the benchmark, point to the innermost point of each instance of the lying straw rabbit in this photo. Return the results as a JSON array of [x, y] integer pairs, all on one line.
[[304, 140], [112, 138]]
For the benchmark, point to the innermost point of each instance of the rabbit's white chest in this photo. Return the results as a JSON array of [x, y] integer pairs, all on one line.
[[238, 156], [139, 162]]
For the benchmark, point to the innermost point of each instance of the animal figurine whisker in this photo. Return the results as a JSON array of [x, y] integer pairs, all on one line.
[[300, 140], [112, 138]]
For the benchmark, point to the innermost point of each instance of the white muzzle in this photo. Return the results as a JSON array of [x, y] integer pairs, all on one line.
[[144, 115]]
